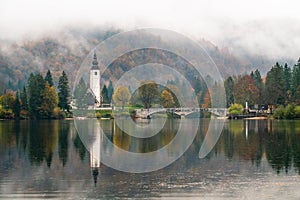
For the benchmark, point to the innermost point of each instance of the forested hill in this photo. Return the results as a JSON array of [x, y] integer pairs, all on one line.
[[65, 50], [56, 51]]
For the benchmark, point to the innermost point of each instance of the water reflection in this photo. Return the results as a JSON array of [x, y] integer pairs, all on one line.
[[95, 148], [118, 135], [249, 140], [48, 156], [107, 140], [79, 147], [43, 139], [63, 142], [253, 140]]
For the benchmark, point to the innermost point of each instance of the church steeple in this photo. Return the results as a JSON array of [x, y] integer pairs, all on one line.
[[95, 62], [95, 80]]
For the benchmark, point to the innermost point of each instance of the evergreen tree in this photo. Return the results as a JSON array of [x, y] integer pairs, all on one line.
[[295, 77], [24, 99], [287, 83], [252, 75], [287, 77], [110, 91], [296, 96], [80, 93], [228, 84], [48, 78], [104, 94], [275, 86], [64, 92], [35, 88], [259, 85], [17, 107], [199, 89]]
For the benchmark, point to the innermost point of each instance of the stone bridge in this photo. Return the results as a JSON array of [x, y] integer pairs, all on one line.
[[146, 113]]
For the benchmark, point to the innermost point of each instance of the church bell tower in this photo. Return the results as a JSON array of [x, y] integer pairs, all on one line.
[[95, 80]]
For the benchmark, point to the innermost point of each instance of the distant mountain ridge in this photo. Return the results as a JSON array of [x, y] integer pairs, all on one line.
[[65, 50]]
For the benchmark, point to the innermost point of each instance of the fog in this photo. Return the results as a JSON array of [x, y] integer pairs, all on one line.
[[268, 28]]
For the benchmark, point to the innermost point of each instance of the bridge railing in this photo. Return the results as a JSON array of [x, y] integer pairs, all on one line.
[[183, 111]]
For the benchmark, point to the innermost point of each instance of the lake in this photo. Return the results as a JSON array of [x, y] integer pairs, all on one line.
[[252, 159]]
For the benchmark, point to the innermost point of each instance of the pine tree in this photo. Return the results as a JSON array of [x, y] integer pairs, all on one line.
[[35, 88], [287, 83], [296, 77], [110, 91], [104, 94], [228, 84], [287, 77], [64, 92], [80, 94], [24, 99], [275, 86], [17, 107], [296, 96], [48, 78], [259, 85]]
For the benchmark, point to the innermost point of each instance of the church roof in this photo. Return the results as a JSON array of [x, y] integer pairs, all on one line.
[[95, 62]]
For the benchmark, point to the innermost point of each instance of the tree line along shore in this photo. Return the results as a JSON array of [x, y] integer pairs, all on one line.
[[278, 93]]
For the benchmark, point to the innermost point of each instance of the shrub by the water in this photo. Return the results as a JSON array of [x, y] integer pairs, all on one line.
[[6, 114], [235, 109], [279, 113], [291, 111]]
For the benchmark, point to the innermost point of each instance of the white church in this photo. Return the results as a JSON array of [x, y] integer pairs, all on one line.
[[95, 87]]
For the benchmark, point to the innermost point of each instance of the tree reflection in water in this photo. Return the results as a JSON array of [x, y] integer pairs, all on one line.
[[276, 141]]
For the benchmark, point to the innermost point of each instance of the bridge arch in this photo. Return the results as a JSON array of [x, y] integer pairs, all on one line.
[[147, 113]]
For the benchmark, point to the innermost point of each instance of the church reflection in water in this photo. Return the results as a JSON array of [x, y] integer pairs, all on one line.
[[119, 133], [257, 141], [95, 145]]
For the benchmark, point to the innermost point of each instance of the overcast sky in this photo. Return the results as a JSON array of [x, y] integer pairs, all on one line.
[[271, 27]]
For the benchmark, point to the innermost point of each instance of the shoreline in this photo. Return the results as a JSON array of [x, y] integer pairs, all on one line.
[[105, 118]]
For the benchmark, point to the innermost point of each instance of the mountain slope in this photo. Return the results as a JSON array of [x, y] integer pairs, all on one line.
[[66, 50]]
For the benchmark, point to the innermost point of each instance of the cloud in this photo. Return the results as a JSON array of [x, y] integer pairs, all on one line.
[[258, 26], [275, 38]]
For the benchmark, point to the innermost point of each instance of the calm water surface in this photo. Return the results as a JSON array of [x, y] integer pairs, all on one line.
[[252, 160]]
